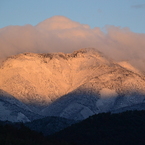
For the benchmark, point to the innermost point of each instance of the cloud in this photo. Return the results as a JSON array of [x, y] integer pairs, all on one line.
[[141, 6], [60, 34], [59, 23]]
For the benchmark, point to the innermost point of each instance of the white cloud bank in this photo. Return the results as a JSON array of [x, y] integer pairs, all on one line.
[[60, 34]]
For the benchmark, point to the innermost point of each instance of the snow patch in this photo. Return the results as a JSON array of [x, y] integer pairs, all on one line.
[[104, 105], [107, 99], [107, 93], [22, 118], [86, 112]]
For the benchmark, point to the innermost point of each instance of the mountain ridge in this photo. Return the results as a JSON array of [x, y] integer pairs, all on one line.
[[78, 84]]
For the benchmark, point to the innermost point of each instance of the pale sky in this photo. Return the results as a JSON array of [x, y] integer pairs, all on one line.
[[95, 13]]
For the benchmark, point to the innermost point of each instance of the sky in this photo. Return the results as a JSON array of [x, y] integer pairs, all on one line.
[[114, 27], [95, 13]]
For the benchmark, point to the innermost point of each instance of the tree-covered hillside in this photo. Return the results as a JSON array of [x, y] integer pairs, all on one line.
[[126, 128], [107, 129], [11, 134]]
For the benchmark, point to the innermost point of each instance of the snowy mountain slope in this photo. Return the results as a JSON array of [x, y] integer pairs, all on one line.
[[13, 110], [39, 79], [128, 66], [108, 92], [111, 87], [73, 86]]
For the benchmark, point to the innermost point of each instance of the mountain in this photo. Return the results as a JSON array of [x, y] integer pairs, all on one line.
[[50, 125], [73, 86], [106, 129], [13, 110]]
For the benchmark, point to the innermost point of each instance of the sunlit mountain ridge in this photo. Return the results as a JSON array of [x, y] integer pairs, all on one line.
[[73, 86]]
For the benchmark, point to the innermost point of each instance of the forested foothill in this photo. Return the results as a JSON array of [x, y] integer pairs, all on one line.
[[127, 128]]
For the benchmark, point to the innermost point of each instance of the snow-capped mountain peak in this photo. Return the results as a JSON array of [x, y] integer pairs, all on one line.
[[73, 85]]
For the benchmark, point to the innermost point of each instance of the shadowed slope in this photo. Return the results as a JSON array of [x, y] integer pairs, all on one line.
[[14, 110]]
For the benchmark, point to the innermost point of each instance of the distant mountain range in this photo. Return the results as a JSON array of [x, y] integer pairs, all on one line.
[[72, 86]]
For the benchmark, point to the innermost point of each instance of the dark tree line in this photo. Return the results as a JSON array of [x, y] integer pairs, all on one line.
[[127, 128]]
